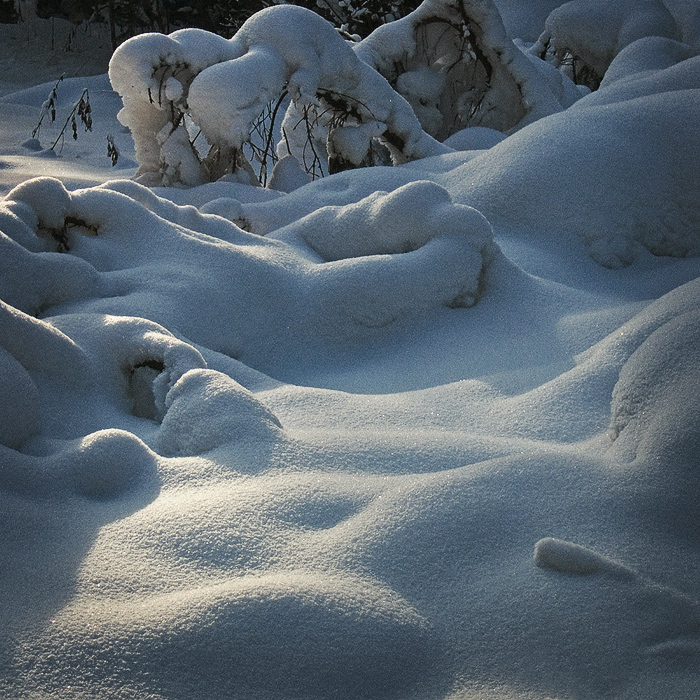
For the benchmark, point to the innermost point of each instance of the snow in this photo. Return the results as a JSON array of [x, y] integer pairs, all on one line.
[[593, 33], [226, 86], [421, 431], [456, 65], [570, 558]]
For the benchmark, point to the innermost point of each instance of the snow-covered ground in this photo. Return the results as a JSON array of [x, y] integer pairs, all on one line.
[[424, 432]]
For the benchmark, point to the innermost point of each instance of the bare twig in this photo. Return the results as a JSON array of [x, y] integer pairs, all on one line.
[[83, 111], [48, 108]]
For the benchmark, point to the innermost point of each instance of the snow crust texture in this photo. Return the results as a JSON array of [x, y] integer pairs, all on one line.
[[421, 430]]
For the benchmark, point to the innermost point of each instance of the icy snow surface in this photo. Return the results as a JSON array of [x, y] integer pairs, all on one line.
[[428, 432]]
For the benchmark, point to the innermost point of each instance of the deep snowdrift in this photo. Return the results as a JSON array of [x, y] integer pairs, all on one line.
[[429, 431]]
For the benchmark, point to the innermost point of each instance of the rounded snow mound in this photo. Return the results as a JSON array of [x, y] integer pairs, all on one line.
[[110, 463], [297, 633], [656, 404], [629, 150], [569, 558], [19, 408], [206, 409]]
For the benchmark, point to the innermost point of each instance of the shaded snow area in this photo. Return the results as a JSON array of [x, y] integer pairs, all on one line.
[[423, 431]]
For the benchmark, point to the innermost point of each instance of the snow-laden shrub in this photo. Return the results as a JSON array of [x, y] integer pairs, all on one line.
[[584, 36], [455, 64], [193, 100], [152, 73], [223, 87]]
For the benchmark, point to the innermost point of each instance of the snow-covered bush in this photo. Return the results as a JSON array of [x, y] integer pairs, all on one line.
[[455, 64], [584, 36], [193, 100], [223, 86]]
